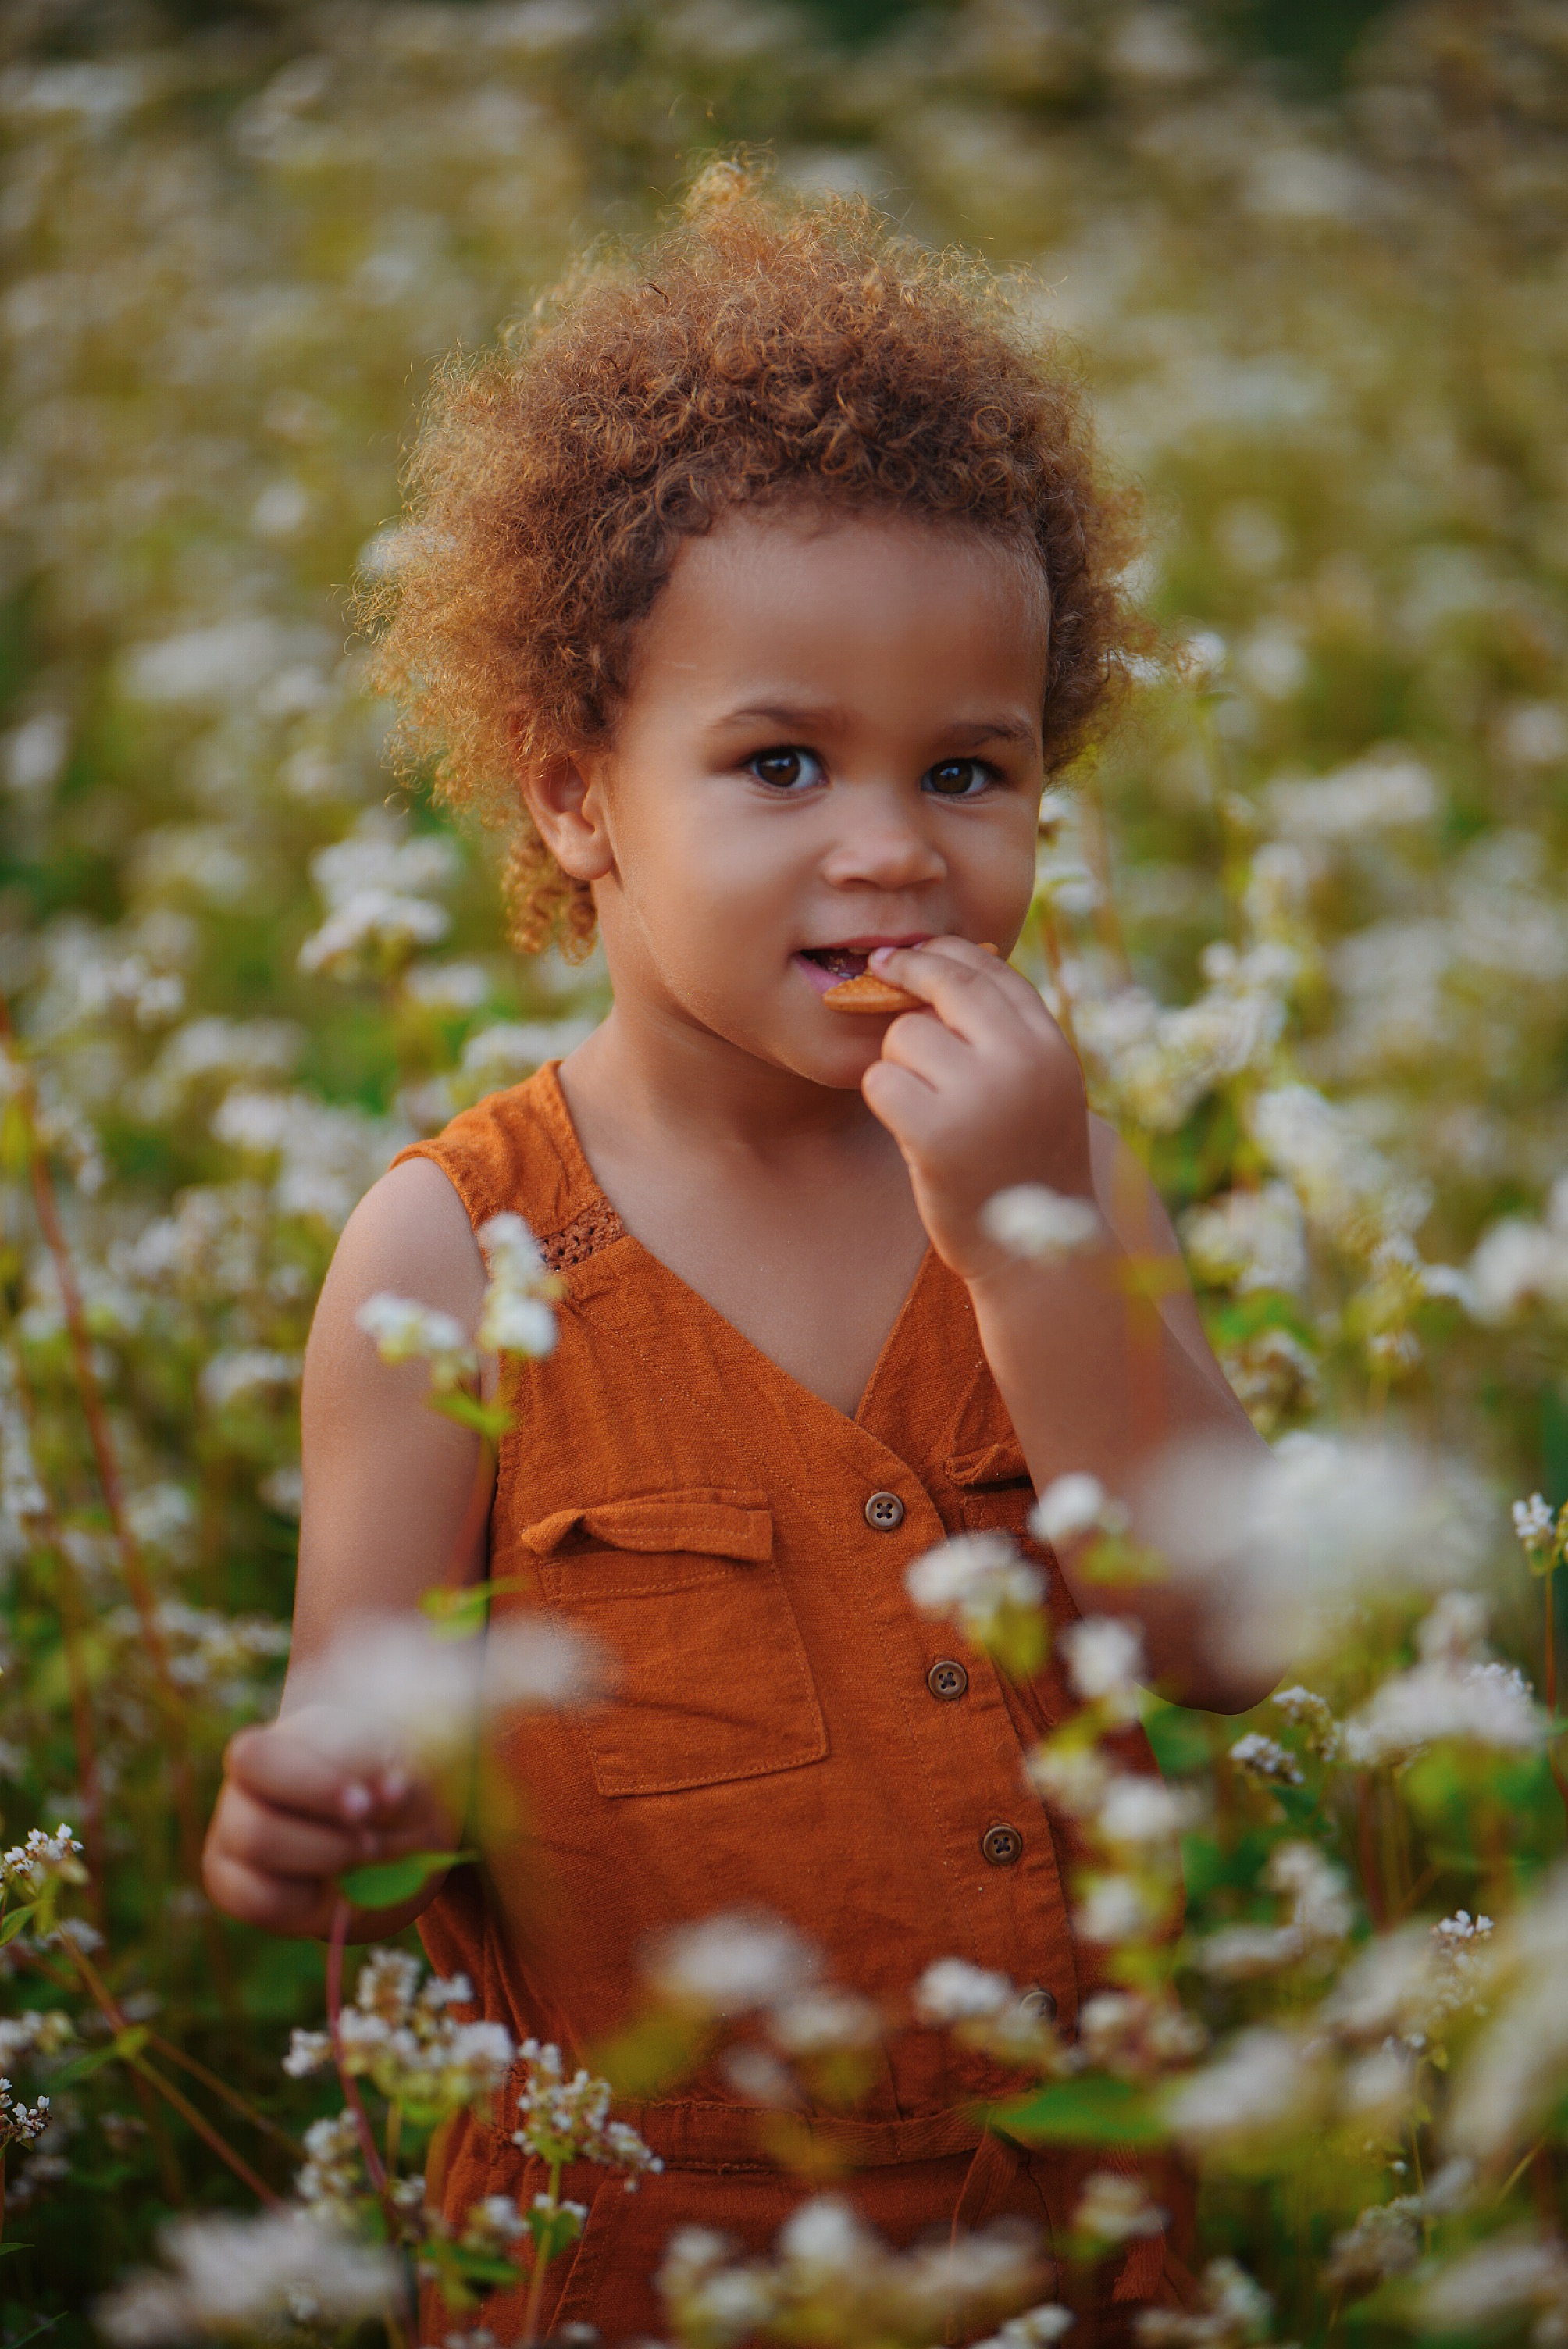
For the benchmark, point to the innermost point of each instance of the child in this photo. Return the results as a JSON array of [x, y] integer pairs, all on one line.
[[764, 588]]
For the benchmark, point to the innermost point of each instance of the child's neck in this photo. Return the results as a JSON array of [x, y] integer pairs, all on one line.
[[780, 1200], [664, 1077]]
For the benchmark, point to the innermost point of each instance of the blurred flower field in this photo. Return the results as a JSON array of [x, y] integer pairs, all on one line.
[[1306, 915]]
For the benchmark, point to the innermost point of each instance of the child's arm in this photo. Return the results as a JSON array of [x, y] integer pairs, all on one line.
[[387, 1488], [1100, 1356]]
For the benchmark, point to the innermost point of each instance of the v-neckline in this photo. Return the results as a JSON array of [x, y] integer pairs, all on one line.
[[584, 1183]]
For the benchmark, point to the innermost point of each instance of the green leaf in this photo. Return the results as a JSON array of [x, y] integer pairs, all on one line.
[[15, 1923], [385, 1883], [123, 2048], [478, 2267], [466, 1607], [1096, 2110], [490, 1419]]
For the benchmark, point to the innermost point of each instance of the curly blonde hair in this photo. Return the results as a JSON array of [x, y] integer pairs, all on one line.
[[757, 349]]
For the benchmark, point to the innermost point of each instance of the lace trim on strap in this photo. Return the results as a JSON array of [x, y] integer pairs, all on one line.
[[598, 1226]]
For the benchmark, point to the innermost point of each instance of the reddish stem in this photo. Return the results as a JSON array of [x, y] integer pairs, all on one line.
[[1050, 938], [1560, 1781], [110, 1482], [207, 2132], [1366, 1847]]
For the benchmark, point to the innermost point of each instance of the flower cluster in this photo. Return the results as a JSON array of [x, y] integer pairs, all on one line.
[[562, 2120], [831, 2280], [402, 2034]]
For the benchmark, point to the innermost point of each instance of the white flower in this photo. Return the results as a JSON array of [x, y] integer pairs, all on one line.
[[1144, 1813], [1249, 1240], [1319, 1919], [405, 1331], [1347, 1189], [1234, 2311], [732, 1964], [1533, 1520], [392, 1681], [1387, 791], [245, 1372], [1385, 2240], [1105, 1660], [1513, 2072], [1315, 1527], [224, 2275], [952, 1990], [974, 1576], [21, 2124], [1264, 2083], [820, 2022], [1311, 1715], [1113, 1910], [1040, 1224], [449, 987], [1518, 1263], [518, 1316], [1116, 2208], [43, 1859], [1484, 2287], [562, 2120], [1265, 1757], [1075, 1504], [825, 2234], [1444, 1696], [1036, 2329], [373, 918]]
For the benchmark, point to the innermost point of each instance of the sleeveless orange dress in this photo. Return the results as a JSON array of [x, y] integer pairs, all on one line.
[[779, 1739]]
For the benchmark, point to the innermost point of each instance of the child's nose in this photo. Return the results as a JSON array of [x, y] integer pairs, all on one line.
[[883, 846]]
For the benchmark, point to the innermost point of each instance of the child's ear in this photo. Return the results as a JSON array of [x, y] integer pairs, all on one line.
[[565, 797]]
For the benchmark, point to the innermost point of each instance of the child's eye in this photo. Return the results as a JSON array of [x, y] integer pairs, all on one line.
[[785, 769], [958, 778]]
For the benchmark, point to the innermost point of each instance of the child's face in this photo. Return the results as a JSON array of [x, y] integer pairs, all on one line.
[[831, 742]]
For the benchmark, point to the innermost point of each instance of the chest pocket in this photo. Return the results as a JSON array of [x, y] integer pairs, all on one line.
[[682, 1588], [994, 1491]]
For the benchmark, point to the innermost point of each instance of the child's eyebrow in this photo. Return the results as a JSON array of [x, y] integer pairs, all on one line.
[[808, 716]]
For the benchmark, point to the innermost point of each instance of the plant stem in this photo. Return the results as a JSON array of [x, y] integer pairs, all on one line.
[[231, 2096], [1366, 1847], [1548, 1593], [203, 2127], [73, 1618], [107, 1463], [540, 2264]]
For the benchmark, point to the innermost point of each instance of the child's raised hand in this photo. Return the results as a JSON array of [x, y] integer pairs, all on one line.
[[300, 1807], [986, 1094]]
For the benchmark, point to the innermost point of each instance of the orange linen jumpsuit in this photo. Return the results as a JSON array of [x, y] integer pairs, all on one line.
[[789, 1733]]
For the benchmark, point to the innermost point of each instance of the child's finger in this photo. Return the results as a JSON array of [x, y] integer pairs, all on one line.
[[927, 1048], [281, 1843], [281, 1767], [276, 1904], [968, 989], [910, 1109]]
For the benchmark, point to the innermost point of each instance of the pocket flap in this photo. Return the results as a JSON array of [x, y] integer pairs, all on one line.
[[994, 1463], [706, 1520]]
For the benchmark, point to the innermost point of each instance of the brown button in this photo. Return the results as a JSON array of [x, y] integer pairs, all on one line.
[[884, 1511], [946, 1680], [1040, 2003], [1003, 1846]]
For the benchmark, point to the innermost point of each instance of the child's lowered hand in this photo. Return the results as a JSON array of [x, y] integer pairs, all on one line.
[[986, 1094], [300, 1807]]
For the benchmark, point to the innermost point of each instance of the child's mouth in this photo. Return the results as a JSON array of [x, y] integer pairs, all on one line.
[[838, 962]]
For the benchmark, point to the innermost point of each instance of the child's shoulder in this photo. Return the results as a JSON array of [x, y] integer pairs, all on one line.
[[512, 1154]]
